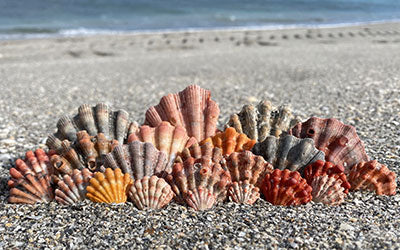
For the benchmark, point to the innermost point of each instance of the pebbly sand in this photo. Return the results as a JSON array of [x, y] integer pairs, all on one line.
[[351, 73]]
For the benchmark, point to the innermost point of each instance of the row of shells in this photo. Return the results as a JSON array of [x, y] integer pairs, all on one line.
[[179, 154]]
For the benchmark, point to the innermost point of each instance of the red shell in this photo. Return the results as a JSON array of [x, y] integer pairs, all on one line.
[[320, 168], [286, 188]]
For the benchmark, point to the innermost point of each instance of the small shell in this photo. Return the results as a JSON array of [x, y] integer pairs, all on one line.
[[150, 192], [286, 188], [138, 159], [30, 179], [263, 120], [338, 141], [230, 141], [288, 152], [327, 190], [110, 187], [243, 192], [72, 188], [373, 176], [207, 154], [191, 108]]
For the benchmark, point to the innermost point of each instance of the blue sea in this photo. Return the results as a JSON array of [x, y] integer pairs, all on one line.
[[43, 18]]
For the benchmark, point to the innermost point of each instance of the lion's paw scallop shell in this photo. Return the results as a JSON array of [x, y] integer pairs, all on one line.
[[72, 188], [327, 190], [243, 192], [206, 152]]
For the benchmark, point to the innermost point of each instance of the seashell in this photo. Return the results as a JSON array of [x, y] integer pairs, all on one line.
[[327, 190], [373, 176], [207, 154], [230, 141], [263, 120], [138, 159], [191, 108], [200, 185], [338, 141], [72, 188], [320, 168], [167, 138], [30, 179], [288, 152], [110, 187], [243, 192], [150, 192], [286, 188]]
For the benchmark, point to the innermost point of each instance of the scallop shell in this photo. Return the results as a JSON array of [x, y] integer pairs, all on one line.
[[30, 179], [191, 108], [243, 192], [373, 176], [110, 187], [263, 120], [151, 192], [338, 141], [230, 141], [327, 190], [207, 154], [138, 159], [286, 188], [288, 152], [72, 188]]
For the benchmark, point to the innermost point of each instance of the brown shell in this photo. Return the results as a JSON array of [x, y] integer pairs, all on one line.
[[243, 192], [327, 190], [72, 188]]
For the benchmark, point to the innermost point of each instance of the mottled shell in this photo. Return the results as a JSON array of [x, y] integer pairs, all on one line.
[[72, 188], [286, 188], [338, 141], [138, 159], [263, 120], [110, 187], [243, 192], [327, 190], [191, 108], [30, 179], [150, 192], [207, 154], [230, 141], [373, 176], [288, 152]]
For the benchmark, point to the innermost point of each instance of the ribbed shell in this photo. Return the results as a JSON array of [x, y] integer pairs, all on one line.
[[207, 154], [263, 120], [243, 192], [150, 192], [338, 141], [72, 188], [373, 176], [327, 190], [191, 108], [288, 152], [30, 179]]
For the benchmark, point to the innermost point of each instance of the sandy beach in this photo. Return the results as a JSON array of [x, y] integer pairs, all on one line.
[[350, 73]]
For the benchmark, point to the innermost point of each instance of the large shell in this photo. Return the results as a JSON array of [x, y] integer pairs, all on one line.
[[207, 154], [150, 192], [72, 188], [110, 187], [288, 152], [200, 185], [191, 108], [263, 120], [167, 138], [138, 159], [230, 141], [30, 179], [373, 176], [286, 188], [243, 192], [327, 190], [338, 141]]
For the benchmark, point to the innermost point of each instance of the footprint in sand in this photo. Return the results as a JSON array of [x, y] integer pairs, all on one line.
[[201, 40], [265, 43], [102, 53], [75, 53], [297, 36], [216, 39]]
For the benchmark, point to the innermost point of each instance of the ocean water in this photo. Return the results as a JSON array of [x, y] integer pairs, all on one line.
[[41, 18]]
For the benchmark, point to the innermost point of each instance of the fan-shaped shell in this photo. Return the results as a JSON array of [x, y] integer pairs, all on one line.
[[30, 179], [243, 192], [72, 188], [338, 141], [373, 176], [286, 188], [138, 159], [230, 141], [110, 187], [263, 120], [150, 192], [207, 154], [327, 190], [288, 152], [191, 108]]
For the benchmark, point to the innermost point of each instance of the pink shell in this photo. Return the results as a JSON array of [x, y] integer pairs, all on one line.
[[327, 190], [72, 188], [206, 153], [243, 192]]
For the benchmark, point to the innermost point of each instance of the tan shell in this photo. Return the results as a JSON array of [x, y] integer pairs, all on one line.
[[243, 192], [327, 190], [72, 188], [207, 154]]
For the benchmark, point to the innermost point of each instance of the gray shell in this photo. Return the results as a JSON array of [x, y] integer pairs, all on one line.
[[288, 152]]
